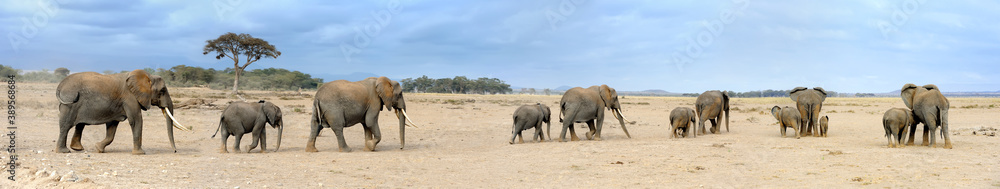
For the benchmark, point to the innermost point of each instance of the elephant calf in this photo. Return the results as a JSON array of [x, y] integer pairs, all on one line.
[[683, 119], [531, 116], [824, 124], [242, 117], [897, 122], [788, 117]]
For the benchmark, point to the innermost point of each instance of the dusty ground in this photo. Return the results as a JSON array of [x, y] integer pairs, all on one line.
[[462, 142]]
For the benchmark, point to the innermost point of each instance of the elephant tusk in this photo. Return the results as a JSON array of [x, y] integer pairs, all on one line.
[[408, 121], [623, 116], [176, 124]]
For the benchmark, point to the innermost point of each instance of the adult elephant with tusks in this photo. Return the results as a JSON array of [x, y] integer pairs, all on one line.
[[339, 104], [710, 105], [90, 98], [809, 102], [587, 105]]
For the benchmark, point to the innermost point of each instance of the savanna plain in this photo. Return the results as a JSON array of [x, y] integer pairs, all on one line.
[[462, 142]]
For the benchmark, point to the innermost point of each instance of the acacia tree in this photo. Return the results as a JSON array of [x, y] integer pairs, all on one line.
[[237, 46]]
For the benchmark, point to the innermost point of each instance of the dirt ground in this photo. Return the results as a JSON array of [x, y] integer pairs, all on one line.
[[462, 142]]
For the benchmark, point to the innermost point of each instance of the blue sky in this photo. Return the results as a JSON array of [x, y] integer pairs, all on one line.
[[677, 46]]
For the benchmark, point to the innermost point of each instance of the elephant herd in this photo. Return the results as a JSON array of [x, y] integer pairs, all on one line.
[[91, 98], [926, 105]]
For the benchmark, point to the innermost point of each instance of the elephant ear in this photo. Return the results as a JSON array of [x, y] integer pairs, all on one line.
[[907, 94], [725, 100], [822, 92], [271, 112], [930, 87], [796, 92], [140, 85], [775, 111], [607, 96], [384, 88]]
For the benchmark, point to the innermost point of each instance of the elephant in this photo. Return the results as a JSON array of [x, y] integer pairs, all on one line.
[[683, 119], [710, 106], [897, 121], [788, 117], [242, 117], [824, 124], [579, 105], [339, 104], [929, 107], [90, 98], [531, 116], [809, 102]]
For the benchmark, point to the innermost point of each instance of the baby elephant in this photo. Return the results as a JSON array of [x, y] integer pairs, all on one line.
[[824, 123], [897, 122], [682, 118], [787, 117], [531, 116], [242, 117]]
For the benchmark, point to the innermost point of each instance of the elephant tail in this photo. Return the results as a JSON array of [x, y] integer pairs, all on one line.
[[318, 113], [562, 109], [219, 128]]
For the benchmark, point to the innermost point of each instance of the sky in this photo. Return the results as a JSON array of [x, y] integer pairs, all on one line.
[[630, 45]]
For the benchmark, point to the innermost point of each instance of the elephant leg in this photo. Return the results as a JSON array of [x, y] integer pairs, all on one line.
[[913, 131], [376, 134], [944, 128], [263, 140], [796, 128], [592, 131], [539, 134], [135, 122], [314, 132], [517, 130], [572, 132], [341, 143], [562, 135], [75, 142], [783, 128], [369, 145], [715, 125], [109, 136], [932, 127], [225, 138], [236, 141], [255, 136], [597, 133], [927, 128], [902, 137], [891, 143], [520, 138]]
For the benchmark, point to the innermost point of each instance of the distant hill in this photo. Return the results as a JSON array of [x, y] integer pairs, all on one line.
[[563, 88]]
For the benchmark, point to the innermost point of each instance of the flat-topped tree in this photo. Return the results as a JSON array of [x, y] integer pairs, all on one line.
[[237, 46]]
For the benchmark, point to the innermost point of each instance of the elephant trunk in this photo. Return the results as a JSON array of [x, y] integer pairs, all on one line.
[[402, 128], [727, 120], [281, 128], [167, 107], [621, 120]]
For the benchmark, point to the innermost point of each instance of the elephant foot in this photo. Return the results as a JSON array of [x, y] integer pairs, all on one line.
[[100, 147], [925, 144], [370, 145], [76, 146], [62, 150], [223, 151], [574, 138], [590, 135], [138, 152], [947, 145], [597, 138], [311, 149]]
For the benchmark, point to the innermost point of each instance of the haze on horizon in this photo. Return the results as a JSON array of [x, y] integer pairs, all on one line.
[[676, 46]]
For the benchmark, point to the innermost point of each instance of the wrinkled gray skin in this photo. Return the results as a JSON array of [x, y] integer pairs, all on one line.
[[710, 106], [809, 102], [90, 98], [897, 121], [682, 119], [930, 107], [531, 116], [339, 104], [243, 117], [824, 124], [579, 105], [787, 117]]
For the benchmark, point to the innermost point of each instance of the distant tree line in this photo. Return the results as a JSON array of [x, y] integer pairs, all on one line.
[[187, 76], [761, 93], [457, 85]]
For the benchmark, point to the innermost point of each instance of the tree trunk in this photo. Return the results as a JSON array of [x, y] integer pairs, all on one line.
[[236, 82]]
